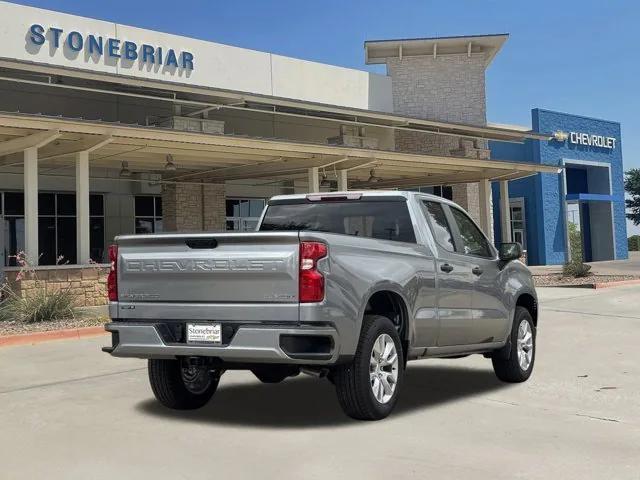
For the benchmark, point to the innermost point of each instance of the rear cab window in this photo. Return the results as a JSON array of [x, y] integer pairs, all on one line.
[[382, 218]]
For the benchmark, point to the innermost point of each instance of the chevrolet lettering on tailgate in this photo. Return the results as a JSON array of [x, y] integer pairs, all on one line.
[[205, 265]]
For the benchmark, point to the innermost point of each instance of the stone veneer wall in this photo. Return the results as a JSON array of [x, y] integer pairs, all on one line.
[[87, 283], [193, 207], [448, 88]]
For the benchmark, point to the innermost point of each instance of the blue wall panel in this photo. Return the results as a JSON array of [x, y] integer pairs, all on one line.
[[543, 193], [554, 152]]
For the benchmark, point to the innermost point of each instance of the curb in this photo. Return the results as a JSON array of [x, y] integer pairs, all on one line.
[[596, 286], [620, 283], [40, 337]]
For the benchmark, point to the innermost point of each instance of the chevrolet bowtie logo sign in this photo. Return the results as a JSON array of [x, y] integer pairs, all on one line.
[[560, 136]]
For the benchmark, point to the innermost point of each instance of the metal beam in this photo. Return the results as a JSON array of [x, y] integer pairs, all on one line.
[[268, 169], [71, 148], [202, 111], [35, 140]]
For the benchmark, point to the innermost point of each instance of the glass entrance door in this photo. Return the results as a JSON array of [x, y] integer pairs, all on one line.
[[518, 227]]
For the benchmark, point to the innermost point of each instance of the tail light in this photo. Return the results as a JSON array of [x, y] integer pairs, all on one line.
[[311, 280], [112, 278]]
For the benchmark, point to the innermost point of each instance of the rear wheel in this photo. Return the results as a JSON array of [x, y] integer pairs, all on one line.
[[514, 363], [368, 387], [179, 385]]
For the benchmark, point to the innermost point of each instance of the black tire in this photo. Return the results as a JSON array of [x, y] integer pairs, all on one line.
[[165, 377], [352, 381], [505, 361], [275, 373]]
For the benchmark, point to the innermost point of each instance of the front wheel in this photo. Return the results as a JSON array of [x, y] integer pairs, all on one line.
[[182, 386], [514, 363], [368, 387]]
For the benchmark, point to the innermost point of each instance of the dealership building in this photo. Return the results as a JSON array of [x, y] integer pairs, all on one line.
[[108, 129]]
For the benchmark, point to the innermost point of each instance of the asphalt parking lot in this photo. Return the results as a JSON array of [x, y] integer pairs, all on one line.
[[69, 411]]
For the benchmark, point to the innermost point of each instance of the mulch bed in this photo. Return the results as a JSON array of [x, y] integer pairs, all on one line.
[[556, 280], [17, 328]]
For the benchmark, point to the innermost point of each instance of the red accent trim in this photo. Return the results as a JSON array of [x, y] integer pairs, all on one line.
[[112, 278]]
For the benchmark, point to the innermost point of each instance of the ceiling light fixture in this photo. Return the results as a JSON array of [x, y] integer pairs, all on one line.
[[325, 182], [170, 166], [124, 171], [372, 177]]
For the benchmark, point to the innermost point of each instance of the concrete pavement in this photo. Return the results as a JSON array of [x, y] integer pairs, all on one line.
[[69, 411]]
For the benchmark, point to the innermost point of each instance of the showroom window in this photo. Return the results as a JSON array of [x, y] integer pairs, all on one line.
[[243, 214], [148, 214], [56, 227], [12, 210]]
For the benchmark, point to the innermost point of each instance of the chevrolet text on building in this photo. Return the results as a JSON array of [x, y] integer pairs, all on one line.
[[592, 140], [114, 47], [585, 139]]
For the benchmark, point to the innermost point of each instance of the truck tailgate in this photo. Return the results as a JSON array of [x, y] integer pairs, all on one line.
[[209, 268]]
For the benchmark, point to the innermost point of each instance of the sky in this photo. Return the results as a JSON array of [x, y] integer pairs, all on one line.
[[580, 57]]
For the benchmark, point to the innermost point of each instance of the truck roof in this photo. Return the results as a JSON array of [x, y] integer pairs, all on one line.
[[364, 193]]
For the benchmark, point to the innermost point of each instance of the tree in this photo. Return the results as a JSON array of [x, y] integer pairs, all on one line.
[[632, 186]]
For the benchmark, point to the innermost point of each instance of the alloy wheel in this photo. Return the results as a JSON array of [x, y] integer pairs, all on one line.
[[525, 345], [383, 368]]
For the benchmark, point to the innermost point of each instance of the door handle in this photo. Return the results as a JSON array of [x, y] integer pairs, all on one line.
[[446, 268], [477, 271]]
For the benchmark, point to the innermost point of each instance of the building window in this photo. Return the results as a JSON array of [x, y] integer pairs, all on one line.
[[12, 210], [243, 214], [56, 227], [444, 191], [148, 214], [518, 227]]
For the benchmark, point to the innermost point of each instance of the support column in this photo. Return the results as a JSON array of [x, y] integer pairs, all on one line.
[[505, 211], [314, 180], [343, 185], [484, 193], [31, 205], [82, 208]]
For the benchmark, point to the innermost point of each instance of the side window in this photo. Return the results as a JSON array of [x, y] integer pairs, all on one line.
[[440, 225], [473, 241]]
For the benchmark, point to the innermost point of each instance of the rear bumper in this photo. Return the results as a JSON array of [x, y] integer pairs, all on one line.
[[249, 344]]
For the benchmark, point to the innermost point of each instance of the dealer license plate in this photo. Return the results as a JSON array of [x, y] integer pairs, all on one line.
[[204, 333]]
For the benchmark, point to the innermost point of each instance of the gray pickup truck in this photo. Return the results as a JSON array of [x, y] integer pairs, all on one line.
[[348, 286]]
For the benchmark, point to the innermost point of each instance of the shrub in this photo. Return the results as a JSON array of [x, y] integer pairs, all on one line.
[[39, 305], [576, 269], [634, 243], [575, 243]]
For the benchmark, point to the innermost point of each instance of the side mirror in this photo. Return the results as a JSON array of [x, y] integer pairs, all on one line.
[[510, 251]]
